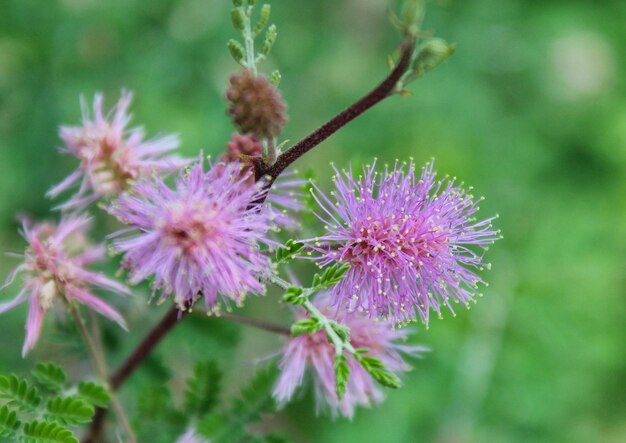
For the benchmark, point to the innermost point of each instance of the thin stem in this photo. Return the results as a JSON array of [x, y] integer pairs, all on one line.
[[249, 40], [255, 323], [99, 363], [386, 88]]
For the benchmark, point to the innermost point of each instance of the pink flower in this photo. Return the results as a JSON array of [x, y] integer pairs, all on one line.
[[111, 156], [200, 239], [55, 265], [314, 351], [413, 243]]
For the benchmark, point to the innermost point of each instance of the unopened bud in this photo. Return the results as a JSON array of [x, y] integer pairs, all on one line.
[[236, 50], [432, 54], [236, 16], [256, 106]]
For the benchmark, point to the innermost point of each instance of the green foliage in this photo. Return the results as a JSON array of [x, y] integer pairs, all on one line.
[[203, 388], [30, 416], [342, 372], [237, 18], [332, 275], [288, 252], [94, 393], [19, 393], [236, 50], [433, 53], [231, 425], [264, 18], [270, 38], [306, 326], [156, 417], [9, 423], [70, 410], [375, 367], [46, 432], [50, 376], [295, 295]]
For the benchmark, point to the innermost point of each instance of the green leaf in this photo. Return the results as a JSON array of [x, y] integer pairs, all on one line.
[[237, 18], [18, 393], [386, 378], [203, 388], [270, 39], [432, 54], [288, 252], [294, 295], [70, 410], [341, 330], [305, 326], [94, 393], [331, 276], [264, 18], [236, 50], [342, 372], [46, 432], [8, 422], [50, 376], [376, 368], [275, 78], [255, 400]]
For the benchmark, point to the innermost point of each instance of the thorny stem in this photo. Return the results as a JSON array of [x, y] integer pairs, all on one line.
[[99, 362], [386, 88]]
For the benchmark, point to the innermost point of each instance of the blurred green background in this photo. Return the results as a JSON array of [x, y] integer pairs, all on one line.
[[531, 110]]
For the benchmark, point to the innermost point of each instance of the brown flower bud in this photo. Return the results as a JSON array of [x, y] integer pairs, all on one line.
[[255, 105], [242, 146]]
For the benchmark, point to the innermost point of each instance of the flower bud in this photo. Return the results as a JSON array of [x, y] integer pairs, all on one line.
[[432, 54], [242, 145], [256, 107]]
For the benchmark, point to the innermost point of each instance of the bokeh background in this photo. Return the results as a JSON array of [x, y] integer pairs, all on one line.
[[531, 111]]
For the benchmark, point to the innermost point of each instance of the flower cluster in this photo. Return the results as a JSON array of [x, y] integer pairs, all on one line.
[[315, 351], [55, 266], [201, 239], [111, 156], [409, 241]]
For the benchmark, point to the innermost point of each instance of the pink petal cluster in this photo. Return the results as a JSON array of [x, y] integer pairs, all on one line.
[[200, 239], [55, 264], [111, 156], [413, 243], [316, 353]]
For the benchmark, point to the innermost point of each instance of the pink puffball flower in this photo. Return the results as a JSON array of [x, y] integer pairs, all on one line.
[[315, 352], [200, 239], [55, 264], [412, 243], [111, 156]]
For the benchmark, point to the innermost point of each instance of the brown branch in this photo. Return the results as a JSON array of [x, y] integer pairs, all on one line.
[[382, 91]]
